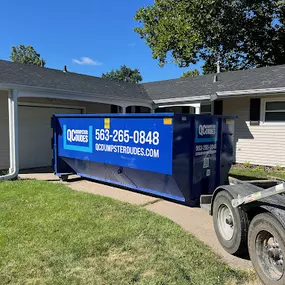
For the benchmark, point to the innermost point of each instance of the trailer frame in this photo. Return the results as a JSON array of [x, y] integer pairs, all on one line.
[[247, 219]]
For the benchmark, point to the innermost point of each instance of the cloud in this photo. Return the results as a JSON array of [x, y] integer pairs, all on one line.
[[87, 61], [132, 45]]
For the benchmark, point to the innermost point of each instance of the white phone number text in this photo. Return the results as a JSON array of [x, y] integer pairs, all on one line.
[[137, 137]]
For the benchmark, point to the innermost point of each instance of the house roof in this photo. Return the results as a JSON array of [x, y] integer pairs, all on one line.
[[259, 78], [35, 76]]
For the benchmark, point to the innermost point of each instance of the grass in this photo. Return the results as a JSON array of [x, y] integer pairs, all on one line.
[[256, 172], [50, 234]]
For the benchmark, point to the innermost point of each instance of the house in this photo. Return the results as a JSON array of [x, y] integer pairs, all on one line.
[[255, 96]]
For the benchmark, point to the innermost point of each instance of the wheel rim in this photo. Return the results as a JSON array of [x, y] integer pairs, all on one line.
[[270, 255], [225, 222]]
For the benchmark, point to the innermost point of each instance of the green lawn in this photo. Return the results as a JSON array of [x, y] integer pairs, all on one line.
[[50, 234], [255, 172]]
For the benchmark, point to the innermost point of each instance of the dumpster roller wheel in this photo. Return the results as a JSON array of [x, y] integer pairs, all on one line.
[[63, 178], [231, 224], [267, 248]]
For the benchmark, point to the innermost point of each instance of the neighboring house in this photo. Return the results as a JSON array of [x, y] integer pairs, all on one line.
[[255, 96]]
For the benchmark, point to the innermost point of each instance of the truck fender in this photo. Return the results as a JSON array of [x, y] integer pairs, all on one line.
[[232, 189], [254, 208], [276, 211]]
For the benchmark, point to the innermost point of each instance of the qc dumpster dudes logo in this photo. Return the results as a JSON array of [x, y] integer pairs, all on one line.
[[77, 135], [206, 138], [78, 139], [206, 133]]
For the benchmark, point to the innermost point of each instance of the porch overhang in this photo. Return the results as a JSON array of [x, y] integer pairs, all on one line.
[[41, 92]]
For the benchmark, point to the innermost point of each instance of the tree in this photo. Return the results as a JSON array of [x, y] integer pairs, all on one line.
[[241, 34], [26, 55], [191, 73], [125, 74]]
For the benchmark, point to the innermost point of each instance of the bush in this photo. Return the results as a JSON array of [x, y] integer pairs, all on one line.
[[247, 164], [278, 168]]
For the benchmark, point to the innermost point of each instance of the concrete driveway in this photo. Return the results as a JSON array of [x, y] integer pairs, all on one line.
[[194, 220]]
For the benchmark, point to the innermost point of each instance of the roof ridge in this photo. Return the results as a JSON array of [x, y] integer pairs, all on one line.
[[45, 77], [212, 74], [151, 82]]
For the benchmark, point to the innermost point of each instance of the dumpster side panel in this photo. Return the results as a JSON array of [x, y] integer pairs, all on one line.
[[130, 151], [177, 156], [140, 143]]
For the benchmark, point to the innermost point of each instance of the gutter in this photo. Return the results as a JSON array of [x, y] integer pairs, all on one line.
[[181, 99], [13, 136], [194, 105], [247, 92]]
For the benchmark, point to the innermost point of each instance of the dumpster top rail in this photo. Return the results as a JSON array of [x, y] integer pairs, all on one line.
[[137, 115]]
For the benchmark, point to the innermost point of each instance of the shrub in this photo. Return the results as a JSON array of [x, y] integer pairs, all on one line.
[[278, 167], [247, 164]]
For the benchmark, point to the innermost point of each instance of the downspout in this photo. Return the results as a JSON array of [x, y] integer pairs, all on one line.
[[13, 136], [123, 109]]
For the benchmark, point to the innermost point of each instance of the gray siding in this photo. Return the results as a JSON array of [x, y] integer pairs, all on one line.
[[263, 144]]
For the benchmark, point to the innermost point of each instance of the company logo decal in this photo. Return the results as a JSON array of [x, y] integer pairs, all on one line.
[[206, 132], [78, 139]]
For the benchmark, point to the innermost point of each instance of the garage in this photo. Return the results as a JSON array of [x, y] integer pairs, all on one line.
[[35, 133], [29, 97]]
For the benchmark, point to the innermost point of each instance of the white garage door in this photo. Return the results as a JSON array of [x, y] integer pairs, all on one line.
[[35, 134]]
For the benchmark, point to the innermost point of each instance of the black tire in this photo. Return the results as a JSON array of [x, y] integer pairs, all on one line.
[[259, 227], [237, 243]]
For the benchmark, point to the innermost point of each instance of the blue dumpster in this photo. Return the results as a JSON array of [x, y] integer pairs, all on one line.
[[176, 156]]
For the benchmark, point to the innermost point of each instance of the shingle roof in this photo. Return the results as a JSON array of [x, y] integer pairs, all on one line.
[[259, 78], [30, 75]]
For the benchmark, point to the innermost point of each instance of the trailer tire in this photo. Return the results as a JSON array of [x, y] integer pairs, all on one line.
[[231, 224], [267, 258]]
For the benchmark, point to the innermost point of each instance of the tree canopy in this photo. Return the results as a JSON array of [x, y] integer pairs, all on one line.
[[125, 74], [27, 55], [241, 34], [191, 73]]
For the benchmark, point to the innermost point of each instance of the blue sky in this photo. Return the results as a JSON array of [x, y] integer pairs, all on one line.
[[89, 36]]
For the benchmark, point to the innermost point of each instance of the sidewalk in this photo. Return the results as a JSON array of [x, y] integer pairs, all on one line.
[[194, 220]]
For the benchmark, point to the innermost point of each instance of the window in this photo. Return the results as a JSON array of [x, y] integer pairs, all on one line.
[[206, 109], [274, 111]]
